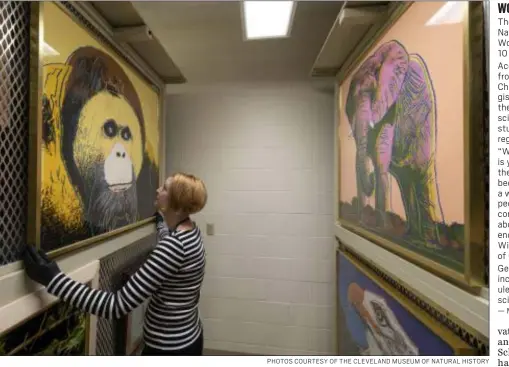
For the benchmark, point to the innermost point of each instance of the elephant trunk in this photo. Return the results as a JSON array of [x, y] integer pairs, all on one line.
[[364, 176]]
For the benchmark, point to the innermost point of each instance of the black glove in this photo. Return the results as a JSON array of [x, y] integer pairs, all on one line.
[[38, 266], [159, 217]]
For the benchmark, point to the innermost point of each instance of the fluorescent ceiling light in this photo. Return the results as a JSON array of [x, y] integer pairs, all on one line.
[[450, 13], [47, 50], [267, 19]]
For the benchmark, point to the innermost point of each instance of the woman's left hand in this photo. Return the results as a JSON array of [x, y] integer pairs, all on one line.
[[38, 266], [159, 217]]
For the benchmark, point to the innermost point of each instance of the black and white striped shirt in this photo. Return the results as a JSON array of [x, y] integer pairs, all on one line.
[[171, 276]]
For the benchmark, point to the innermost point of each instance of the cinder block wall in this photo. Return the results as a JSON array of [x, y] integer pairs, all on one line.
[[265, 153]]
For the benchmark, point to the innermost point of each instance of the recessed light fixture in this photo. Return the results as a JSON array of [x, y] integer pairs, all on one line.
[[450, 13], [267, 19]]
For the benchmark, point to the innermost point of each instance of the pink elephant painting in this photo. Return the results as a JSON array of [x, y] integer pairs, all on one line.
[[391, 108]]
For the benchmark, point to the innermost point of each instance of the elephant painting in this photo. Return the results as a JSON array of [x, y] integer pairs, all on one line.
[[391, 108]]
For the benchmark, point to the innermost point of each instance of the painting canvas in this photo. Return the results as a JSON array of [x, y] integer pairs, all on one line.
[[402, 154], [60, 330], [134, 329], [100, 130], [382, 322]]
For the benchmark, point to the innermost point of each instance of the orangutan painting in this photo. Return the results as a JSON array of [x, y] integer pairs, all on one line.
[[100, 138]]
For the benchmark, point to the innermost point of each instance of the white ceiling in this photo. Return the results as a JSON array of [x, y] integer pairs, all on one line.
[[205, 40]]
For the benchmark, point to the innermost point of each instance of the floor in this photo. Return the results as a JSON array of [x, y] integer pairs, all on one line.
[[213, 352]]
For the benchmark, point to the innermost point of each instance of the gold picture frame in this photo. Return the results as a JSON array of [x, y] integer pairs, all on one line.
[[470, 275], [395, 306], [36, 130]]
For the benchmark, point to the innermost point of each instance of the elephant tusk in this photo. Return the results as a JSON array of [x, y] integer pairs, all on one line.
[[371, 124]]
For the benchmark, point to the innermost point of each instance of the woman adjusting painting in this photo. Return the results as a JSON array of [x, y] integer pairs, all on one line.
[[171, 276]]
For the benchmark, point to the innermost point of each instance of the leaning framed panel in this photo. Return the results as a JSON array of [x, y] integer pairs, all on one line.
[[129, 336], [410, 139], [40, 324], [133, 336], [378, 320], [96, 148], [57, 330]]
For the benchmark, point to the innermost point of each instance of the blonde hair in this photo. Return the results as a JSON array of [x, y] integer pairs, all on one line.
[[186, 193]]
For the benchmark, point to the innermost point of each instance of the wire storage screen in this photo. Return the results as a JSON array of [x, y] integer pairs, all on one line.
[[14, 112], [110, 271]]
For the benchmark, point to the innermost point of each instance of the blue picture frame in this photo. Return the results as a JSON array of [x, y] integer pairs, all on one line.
[[377, 320]]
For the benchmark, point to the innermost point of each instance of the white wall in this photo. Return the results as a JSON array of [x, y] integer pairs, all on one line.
[[266, 156]]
